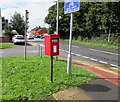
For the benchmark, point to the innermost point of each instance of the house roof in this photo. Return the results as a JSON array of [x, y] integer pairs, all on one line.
[[38, 31]]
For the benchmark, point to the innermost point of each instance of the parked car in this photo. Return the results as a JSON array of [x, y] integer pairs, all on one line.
[[37, 36], [18, 39], [30, 36], [42, 37]]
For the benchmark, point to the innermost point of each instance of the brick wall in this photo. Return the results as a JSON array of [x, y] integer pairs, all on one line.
[[5, 39]]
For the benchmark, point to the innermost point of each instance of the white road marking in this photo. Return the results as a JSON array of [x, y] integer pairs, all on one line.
[[75, 46], [42, 45], [103, 62], [78, 55], [32, 51], [73, 53], [93, 49], [63, 50], [93, 59], [105, 52], [1, 52], [110, 53], [67, 51], [114, 65], [85, 57]]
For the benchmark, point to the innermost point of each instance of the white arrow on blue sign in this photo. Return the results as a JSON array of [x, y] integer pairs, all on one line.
[[71, 6]]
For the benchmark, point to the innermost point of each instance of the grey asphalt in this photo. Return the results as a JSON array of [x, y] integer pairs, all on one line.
[[18, 50], [99, 54], [100, 89], [90, 53]]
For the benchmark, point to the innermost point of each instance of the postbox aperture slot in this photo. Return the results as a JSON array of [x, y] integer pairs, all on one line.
[[54, 40]]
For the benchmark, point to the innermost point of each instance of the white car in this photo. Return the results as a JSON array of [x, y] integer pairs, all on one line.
[[30, 36], [18, 39]]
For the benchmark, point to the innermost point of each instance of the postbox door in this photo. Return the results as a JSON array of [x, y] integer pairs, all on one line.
[[55, 46]]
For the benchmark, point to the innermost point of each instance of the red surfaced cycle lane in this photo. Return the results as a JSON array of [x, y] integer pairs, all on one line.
[[113, 78]]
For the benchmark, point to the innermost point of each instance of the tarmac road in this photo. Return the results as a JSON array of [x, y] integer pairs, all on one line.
[[79, 51], [18, 50], [93, 53], [90, 53]]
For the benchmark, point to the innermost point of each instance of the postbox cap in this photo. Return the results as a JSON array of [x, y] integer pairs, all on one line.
[[53, 36]]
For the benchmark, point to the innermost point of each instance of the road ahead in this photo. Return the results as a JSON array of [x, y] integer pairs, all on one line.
[[79, 52], [90, 53]]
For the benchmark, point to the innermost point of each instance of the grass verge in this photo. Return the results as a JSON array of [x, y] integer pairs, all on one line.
[[6, 45], [30, 79], [105, 45]]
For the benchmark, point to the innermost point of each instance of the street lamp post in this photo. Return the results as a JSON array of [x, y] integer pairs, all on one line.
[[57, 17], [57, 2]]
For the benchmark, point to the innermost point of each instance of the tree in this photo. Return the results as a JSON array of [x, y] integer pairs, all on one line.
[[113, 21], [92, 20], [18, 23], [64, 20], [4, 24]]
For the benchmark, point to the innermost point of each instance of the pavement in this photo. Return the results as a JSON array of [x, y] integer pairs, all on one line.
[[106, 87], [71, 94]]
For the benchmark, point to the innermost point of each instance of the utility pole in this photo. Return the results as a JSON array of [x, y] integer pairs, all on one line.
[[26, 27], [0, 23], [57, 18]]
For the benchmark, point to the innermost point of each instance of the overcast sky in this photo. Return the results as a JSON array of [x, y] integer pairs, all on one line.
[[38, 10]]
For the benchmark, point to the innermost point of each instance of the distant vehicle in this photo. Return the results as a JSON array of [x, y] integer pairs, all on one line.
[[30, 36], [38, 36], [42, 37], [18, 39], [34, 35]]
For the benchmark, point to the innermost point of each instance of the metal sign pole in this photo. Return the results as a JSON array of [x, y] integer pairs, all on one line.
[[25, 36], [57, 22], [40, 50], [51, 68], [25, 45], [26, 27], [70, 46], [69, 7]]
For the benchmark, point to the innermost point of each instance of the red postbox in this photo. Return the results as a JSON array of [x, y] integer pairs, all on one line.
[[52, 45]]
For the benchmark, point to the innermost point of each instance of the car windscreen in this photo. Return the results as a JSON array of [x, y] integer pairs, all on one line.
[[20, 37]]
